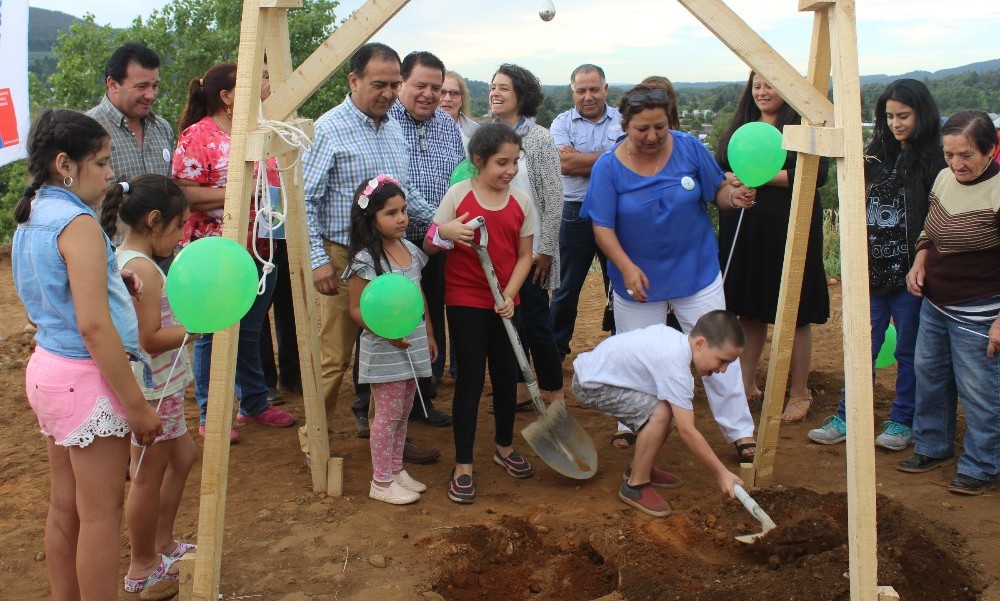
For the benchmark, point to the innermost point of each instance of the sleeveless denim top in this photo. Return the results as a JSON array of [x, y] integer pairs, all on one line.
[[42, 281]]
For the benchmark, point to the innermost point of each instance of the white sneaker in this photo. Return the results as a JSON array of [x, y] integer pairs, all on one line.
[[394, 494], [406, 481]]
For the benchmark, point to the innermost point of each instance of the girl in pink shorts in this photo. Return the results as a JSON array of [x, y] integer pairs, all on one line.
[[155, 210], [78, 381]]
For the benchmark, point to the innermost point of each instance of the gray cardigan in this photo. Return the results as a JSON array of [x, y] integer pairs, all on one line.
[[545, 177]]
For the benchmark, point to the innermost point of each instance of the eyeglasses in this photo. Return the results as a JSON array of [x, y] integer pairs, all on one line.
[[452, 93], [637, 99]]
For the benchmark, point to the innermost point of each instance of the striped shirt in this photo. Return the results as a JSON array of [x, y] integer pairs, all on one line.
[[435, 149], [347, 151], [379, 361], [962, 239]]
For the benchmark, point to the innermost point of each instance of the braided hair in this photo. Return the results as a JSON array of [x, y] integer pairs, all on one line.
[[57, 131], [132, 201]]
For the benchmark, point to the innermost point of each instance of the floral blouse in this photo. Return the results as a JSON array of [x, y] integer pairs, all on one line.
[[202, 156]]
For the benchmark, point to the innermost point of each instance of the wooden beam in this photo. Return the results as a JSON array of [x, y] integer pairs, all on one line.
[[861, 523], [263, 140], [887, 593], [215, 461], [733, 31], [281, 3], [300, 273], [796, 243], [821, 141], [814, 5], [321, 64]]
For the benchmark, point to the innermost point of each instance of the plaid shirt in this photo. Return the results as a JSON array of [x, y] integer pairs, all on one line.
[[127, 159], [347, 151], [435, 149]]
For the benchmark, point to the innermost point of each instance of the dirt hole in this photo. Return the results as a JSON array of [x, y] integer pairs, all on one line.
[[692, 556]]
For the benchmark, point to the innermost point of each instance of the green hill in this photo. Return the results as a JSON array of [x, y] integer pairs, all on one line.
[[43, 32]]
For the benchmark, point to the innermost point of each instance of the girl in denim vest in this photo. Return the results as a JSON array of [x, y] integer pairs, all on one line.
[[79, 382]]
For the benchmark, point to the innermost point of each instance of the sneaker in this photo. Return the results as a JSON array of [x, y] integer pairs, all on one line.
[[516, 465], [645, 499], [361, 426], [234, 434], [657, 477], [462, 489], [406, 481], [918, 464], [967, 485], [393, 494], [272, 416], [895, 437], [832, 431]]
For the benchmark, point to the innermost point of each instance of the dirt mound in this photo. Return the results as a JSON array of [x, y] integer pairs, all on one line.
[[692, 556]]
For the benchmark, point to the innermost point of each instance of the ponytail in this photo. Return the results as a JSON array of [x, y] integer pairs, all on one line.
[[110, 207], [22, 210], [203, 93]]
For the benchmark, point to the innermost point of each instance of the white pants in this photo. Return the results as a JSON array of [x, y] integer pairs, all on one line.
[[726, 398]]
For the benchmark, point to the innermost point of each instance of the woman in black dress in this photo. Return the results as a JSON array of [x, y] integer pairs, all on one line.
[[754, 274]]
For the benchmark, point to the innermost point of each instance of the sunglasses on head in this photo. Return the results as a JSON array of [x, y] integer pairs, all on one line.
[[637, 99]]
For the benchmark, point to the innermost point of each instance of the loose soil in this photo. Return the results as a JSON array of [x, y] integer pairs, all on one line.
[[546, 538]]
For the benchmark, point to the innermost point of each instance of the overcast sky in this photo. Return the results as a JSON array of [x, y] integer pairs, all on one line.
[[635, 38]]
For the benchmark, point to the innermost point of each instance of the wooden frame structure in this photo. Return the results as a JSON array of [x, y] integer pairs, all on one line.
[[830, 129]]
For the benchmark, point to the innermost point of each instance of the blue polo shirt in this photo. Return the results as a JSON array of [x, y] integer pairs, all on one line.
[[661, 221], [571, 128]]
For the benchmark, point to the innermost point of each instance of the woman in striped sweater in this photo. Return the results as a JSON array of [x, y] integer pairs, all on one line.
[[957, 272]]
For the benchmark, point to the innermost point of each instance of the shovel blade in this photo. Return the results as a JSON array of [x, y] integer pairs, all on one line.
[[562, 443]]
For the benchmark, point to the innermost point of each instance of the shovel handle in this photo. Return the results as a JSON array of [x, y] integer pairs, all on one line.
[[753, 507]]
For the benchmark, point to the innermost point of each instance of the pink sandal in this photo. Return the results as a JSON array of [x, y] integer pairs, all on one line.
[[181, 549], [160, 574]]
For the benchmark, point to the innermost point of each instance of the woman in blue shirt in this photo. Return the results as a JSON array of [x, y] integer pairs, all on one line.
[[648, 201]]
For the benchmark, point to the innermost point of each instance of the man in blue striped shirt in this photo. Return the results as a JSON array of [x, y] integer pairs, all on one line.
[[355, 141]]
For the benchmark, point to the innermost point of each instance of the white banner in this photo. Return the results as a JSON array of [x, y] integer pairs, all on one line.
[[14, 118]]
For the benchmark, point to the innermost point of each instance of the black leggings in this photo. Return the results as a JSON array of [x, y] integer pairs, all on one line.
[[479, 334]]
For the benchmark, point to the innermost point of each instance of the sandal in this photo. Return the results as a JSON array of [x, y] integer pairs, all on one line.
[[797, 409], [755, 400], [746, 451], [160, 574], [623, 439], [181, 549]]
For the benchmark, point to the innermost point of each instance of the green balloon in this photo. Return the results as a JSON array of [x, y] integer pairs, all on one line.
[[211, 284], [755, 153], [392, 306], [463, 171], [887, 354]]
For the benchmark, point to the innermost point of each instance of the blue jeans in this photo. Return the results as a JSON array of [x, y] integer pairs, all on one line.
[[904, 309], [577, 250], [251, 389], [952, 364]]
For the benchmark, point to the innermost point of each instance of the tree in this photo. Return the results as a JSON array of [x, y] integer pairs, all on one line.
[[190, 36]]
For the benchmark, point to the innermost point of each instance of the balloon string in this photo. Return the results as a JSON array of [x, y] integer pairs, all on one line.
[[732, 248], [170, 374], [420, 395]]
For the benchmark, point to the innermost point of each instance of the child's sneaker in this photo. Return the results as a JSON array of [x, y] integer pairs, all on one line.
[[272, 416], [895, 437], [394, 494], [832, 431], [406, 481], [657, 477], [516, 465], [462, 489], [645, 499]]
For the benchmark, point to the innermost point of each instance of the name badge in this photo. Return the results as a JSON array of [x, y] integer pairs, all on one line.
[[166, 155], [687, 183]]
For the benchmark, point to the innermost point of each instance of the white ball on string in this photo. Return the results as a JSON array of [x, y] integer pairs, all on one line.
[[548, 11]]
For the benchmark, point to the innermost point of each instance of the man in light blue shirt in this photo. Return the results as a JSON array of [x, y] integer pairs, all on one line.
[[355, 141], [582, 134]]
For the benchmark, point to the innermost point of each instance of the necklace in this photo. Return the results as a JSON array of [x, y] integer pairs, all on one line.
[[660, 160], [392, 259]]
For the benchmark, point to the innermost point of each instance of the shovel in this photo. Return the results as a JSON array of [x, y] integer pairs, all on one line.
[[555, 436], [766, 523]]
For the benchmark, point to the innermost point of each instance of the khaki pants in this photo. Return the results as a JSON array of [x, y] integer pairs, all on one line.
[[337, 333]]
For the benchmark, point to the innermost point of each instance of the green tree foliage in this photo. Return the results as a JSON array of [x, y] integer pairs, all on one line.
[[190, 36]]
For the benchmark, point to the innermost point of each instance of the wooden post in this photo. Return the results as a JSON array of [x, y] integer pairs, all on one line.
[[856, 310], [796, 243], [239, 190]]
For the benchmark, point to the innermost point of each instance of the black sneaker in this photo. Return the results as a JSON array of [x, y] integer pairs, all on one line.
[[462, 489], [967, 485], [918, 464]]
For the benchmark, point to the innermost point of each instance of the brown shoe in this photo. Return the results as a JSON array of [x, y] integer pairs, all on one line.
[[414, 454]]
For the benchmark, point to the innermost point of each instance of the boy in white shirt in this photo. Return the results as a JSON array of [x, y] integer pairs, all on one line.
[[643, 379]]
